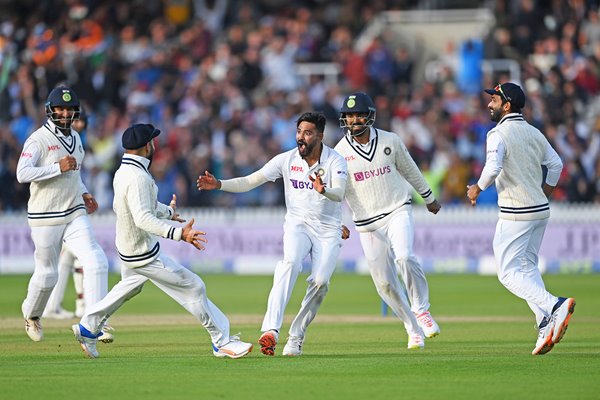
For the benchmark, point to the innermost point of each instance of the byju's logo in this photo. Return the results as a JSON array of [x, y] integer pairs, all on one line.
[[296, 184], [364, 175]]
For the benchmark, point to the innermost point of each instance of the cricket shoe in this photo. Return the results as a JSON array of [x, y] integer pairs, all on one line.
[[416, 341], [33, 327], [293, 347], [106, 335], [268, 341], [60, 313], [235, 348], [561, 314], [427, 323], [87, 340], [544, 341]]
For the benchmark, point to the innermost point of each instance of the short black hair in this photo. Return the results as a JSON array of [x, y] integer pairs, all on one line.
[[314, 117]]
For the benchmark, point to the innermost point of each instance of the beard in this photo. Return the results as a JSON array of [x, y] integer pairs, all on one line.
[[150, 157], [304, 148], [496, 115]]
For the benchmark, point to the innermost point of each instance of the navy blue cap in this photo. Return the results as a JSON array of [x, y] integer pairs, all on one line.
[[509, 92], [358, 102], [138, 135]]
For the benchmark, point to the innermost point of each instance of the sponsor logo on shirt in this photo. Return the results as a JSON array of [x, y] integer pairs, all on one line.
[[342, 173], [296, 184], [297, 168], [26, 155], [53, 147], [364, 175], [350, 158]]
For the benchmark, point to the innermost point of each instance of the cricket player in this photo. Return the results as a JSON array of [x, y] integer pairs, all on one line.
[[314, 178], [516, 152], [140, 219], [380, 170], [58, 206]]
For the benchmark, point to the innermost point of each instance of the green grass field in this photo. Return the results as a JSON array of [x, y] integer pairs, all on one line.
[[351, 351]]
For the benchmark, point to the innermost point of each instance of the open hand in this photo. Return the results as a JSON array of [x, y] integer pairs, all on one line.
[[173, 205], [208, 182], [194, 237]]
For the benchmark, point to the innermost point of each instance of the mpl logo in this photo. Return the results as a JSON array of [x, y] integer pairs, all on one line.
[[297, 168], [53, 147], [350, 158]]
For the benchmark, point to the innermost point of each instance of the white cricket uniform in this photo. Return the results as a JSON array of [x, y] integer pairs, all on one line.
[[56, 214], [140, 219], [379, 195], [312, 226], [516, 152]]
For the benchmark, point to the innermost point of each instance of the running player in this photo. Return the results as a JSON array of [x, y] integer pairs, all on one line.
[[380, 170], [58, 207], [516, 152], [314, 178]]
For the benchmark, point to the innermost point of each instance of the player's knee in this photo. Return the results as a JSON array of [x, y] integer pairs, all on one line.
[[384, 289], [199, 288]]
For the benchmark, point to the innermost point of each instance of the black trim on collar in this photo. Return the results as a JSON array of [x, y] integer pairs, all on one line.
[[70, 147], [516, 117], [130, 161], [367, 155]]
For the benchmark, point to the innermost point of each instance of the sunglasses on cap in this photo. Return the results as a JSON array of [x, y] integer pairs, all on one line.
[[498, 89]]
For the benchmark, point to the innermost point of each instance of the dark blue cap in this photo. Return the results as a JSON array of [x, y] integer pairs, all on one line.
[[358, 102], [509, 92], [138, 135]]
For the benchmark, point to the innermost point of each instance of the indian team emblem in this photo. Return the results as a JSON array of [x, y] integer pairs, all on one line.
[[387, 151], [66, 96], [321, 172], [351, 103]]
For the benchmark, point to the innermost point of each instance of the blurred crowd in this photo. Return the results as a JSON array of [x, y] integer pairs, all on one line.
[[218, 78]]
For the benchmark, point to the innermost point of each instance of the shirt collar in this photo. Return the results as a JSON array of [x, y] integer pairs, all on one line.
[[512, 117], [137, 159], [51, 126]]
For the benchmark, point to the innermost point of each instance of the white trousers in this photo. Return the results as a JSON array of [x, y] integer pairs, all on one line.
[[516, 248], [389, 252], [300, 240], [78, 237], [181, 284]]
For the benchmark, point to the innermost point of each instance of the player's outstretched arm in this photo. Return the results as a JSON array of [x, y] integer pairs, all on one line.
[[208, 182], [192, 236]]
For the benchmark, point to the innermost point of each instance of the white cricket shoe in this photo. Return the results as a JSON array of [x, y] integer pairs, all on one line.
[[416, 341], [60, 313], [106, 335], [34, 330], [427, 323], [235, 348], [293, 347], [87, 342], [268, 341], [544, 341], [563, 310]]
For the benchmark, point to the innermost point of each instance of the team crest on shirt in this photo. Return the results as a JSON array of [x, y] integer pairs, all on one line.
[[321, 172], [387, 151]]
